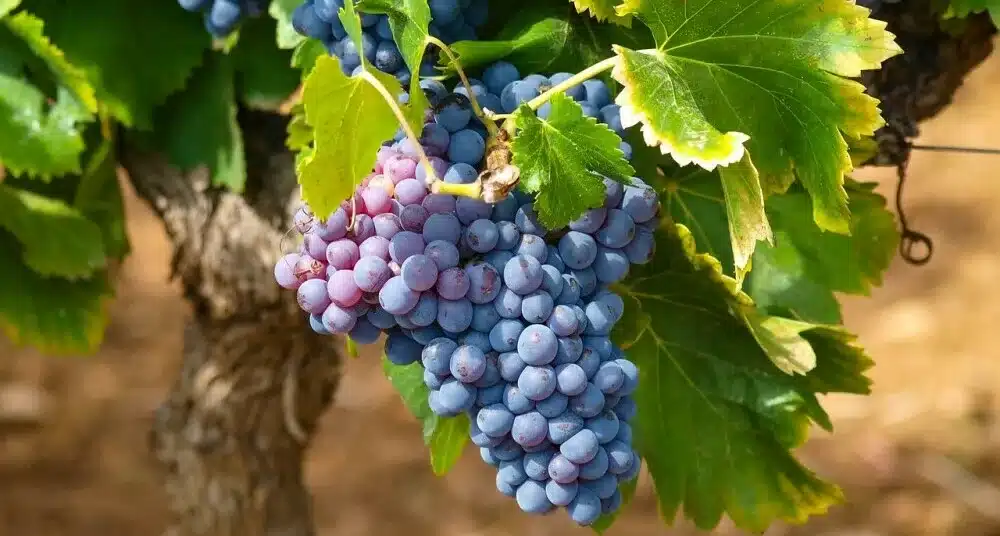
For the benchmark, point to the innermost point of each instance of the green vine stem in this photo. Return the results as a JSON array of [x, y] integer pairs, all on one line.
[[491, 127]]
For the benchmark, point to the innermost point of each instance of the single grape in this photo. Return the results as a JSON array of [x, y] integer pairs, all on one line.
[[527, 221], [587, 280], [619, 457], [498, 75], [585, 508], [578, 250], [456, 397], [537, 383], [314, 245], [529, 429], [489, 395], [508, 235], [400, 349], [512, 472], [453, 116], [609, 378], [611, 265], [624, 432], [536, 307], [507, 450], [571, 380], [564, 426], [484, 282], [442, 227], [514, 93], [491, 376], [375, 246], [469, 210], [405, 244], [631, 373], [342, 289], [436, 356], [533, 246], [511, 365], [515, 400], [342, 254], [537, 345], [504, 335], [595, 468], [433, 381], [444, 254], [604, 487], [419, 272], [505, 209], [381, 319], [523, 274], [561, 494], [284, 272], [396, 298], [454, 316], [581, 447], [316, 323], [312, 296], [484, 317], [618, 229], [571, 290], [605, 425], [482, 235], [640, 203], [531, 498], [364, 332], [563, 320], [453, 284], [597, 93], [561, 470], [552, 281], [498, 259], [468, 364], [467, 146], [589, 403], [612, 503], [640, 249], [425, 312], [460, 173]]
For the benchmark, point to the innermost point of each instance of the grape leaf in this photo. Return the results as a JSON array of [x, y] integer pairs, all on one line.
[[603, 10], [300, 134], [6, 6], [305, 55], [408, 20], [98, 197], [563, 159], [779, 284], [57, 240], [964, 8], [281, 11], [716, 418], [761, 76], [546, 39], [627, 488], [781, 339], [36, 138], [31, 30], [265, 78], [55, 315], [134, 54], [446, 438], [198, 127], [335, 104]]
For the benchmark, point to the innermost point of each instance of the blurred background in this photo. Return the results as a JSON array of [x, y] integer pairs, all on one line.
[[919, 457]]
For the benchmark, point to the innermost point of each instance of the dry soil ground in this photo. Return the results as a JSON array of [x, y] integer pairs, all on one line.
[[920, 457]]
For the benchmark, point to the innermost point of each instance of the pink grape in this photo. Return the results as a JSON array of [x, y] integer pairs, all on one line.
[[383, 182], [370, 273], [314, 245], [303, 220], [387, 225], [312, 296], [342, 288], [343, 254], [337, 319], [413, 218], [334, 227], [308, 268], [377, 201], [364, 228], [284, 272], [400, 168], [410, 191], [376, 246]]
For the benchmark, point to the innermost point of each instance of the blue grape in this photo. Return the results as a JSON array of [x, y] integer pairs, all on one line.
[[577, 93], [537, 345], [468, 364], [624, 432], [444, 11], [625, 409], [508, 235], [620, 457], [523, 274], [578, 250], [498, 75], [504, 335], [491, 376], [536, 307], [405, 244], [511, 365], [561, 494], [444, 254], [515, 400], [454, 315], [613, 503], [505, 488], [611, 115], [381, 319], [531, 498], [484, 317], [223, 17], [562, 471], [552, 406], [590, 221], [537, 383], [527, 220], [596, 467], [605, 426], [436, 355], [552, 281], [533, 246], [597, 93], [387, 57], [434, 381], [585, 508], [512, 472], [484, 282], [610, 265], [529, 429], [316, 323], [640, 249], [453, 116], [587, 280], [508, 303], [495, 420], [419, 272], [456, 397], [363, 332], [489, 395], [482, 235], [571, 290], [396, 298], [514, 93], [469, 210], [460, 173], [486, 453], [563, 320], [337, 319], [604, 487], [618, 229], [631, 373], [198, 5], [564, 426], [589, 403], [454, 284], [609, 378], [507, 450], [400, 349], [444, 227], [467, 146], [581, 447], [371, 273], [571, 380]]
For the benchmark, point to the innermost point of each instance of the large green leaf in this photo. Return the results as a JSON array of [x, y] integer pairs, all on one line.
[[56, 239], [716, 418], [336, 104], [135, 54], [563, 159], [446, 438], [545, 40], [6, 6], [603, 10], [55, 315], [760, 76], [198, 127]]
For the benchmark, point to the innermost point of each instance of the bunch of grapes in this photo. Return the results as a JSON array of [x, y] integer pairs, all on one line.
[[451, 20], [509, 320], [222, 16]]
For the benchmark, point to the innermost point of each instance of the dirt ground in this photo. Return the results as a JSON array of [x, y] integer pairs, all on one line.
[[920, 457]]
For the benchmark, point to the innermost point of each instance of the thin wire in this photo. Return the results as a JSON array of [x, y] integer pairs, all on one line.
[[954, 149], [910, 238]]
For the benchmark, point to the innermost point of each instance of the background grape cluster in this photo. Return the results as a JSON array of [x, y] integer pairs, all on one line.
[[451, 20], [509, 320], [223, 16]]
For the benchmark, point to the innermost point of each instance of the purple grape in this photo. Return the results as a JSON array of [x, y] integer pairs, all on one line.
[[571, 380], [511, 365], [469, 210], [482, 235], [553, 406], [508, 303], [515, 400], [523, 274], [456, 397], [589, 403], [312, 296], [536, 307], [375, 246], [284, 272], [529, 429], [364, 332], [370, 273], [578, 250], [484, 282], [537, 345], [314, 246], [342, 289], [419, 272], [425, 312], [337, 319], [484, 317], [533, 246], [504, 335], [640, 204], [562, 427], [453, 284], [454, 315], [508, 235], [537, 383], [396, 298], [563, 321], [405, 244], [527, 221], [442, 227], [468, 364], [413, 218], [590, 221]]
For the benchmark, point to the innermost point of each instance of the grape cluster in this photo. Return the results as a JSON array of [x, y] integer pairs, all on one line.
[[222, 16], [451, 20], [509, 320]]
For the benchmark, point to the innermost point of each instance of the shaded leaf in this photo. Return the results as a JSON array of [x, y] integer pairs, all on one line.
[[563, 159], [603, 10], [198, 126], [265, 77], [56, 239], [447, 441], [55, 315], [285, 35], [99, 197]]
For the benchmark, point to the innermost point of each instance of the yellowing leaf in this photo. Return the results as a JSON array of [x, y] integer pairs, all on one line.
[[350, 120], [603, 10], [764, 76]]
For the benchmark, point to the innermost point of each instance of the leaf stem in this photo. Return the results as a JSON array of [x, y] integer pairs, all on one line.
[[491, 127], [473, 190], [577, 78], [401, 117]]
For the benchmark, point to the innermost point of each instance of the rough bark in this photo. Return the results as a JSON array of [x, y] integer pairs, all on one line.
[[917, 84], [233, 431]]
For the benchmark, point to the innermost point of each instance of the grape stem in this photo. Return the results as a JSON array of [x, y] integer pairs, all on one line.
[[401, 117], [578, 78], [473, 190], [491, 127]]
